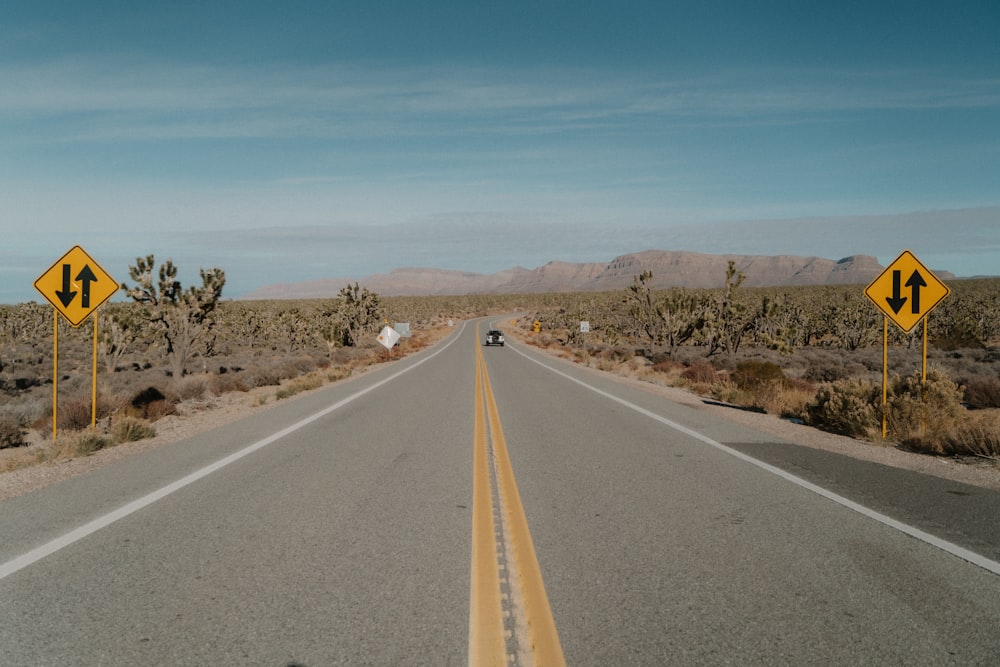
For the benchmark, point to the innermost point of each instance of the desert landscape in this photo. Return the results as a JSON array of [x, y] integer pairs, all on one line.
[[798, 354]]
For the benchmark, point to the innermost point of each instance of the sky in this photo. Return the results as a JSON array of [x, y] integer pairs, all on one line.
[[300, 140]]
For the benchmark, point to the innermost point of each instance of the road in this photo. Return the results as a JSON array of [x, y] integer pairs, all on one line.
[[471, 505]]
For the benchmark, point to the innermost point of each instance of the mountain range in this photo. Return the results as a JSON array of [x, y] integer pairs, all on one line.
[[669, 269]]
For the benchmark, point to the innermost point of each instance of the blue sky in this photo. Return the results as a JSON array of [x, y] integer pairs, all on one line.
[[302, 140]]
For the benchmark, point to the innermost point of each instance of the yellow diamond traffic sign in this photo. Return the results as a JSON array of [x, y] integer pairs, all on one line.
[[906, 291], [76, 285]]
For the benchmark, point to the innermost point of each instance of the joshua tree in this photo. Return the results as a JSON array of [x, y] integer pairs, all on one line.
[[121, 326], [669, 319], [180, 315], [727, 319], [358, 310]]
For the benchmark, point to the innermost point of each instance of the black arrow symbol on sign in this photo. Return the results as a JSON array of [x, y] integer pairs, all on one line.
[[66, 295], [915, 282], [897, 300], [86, 276]]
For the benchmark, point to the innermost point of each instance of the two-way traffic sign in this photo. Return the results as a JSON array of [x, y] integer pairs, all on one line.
[[76, 285], [906, 291]]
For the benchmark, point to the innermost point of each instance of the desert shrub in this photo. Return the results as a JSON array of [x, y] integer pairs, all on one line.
[[75, 412], [262, 377], [727, 391], [833, 365], [982, 391], [224, 383], [272, 374], [297, 386], [300, 366], [827, 372], [779, 396], [639, 363], [917, 415], [158, 409], [848, 407], [667, 366], [921, 415], [189, 387], [338, 373], [344, 355], [130, 429], [769, 396], [28, 409], [753, 374], [976, 435], [145, 397], [543, 341], [700, 372], [11, 432], [958, 335], [604, 363], [150, 404], [89, 441], [665, 371], [792, 398], [20, 384]]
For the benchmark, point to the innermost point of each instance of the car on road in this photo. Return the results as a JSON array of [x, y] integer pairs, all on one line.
[[494, 337]]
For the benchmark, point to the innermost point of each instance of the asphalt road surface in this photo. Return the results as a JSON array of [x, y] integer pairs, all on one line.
[[472, 505]]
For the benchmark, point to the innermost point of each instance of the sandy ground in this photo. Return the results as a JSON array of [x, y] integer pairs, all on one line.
[[200, 416]]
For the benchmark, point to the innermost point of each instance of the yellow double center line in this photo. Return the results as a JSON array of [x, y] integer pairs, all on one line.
[[510, 622]]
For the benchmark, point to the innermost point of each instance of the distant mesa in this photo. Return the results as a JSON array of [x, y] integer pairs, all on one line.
[[669, 269]]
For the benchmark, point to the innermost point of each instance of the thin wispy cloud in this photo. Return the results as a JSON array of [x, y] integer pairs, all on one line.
[[203, 102]]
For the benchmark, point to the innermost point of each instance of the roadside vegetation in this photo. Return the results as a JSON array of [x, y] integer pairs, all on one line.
[[810, 354]]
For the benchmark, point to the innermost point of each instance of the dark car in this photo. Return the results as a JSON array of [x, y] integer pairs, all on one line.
[[494, 337]]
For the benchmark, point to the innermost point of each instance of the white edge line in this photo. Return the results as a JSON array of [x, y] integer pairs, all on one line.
[[38, 553], [954, 549]]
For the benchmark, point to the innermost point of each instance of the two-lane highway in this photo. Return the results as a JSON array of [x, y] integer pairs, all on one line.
[[347, 527]]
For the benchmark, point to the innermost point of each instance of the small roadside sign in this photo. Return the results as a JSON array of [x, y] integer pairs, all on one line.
[[76, 285], [906, 291], [388, 337]]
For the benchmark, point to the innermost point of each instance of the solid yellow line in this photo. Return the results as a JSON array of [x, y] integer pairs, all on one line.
[[486, 632], [545, 647]]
